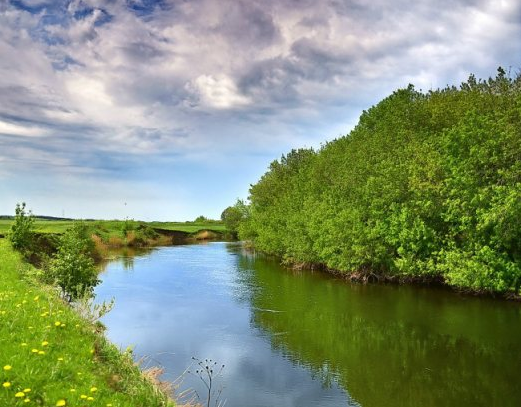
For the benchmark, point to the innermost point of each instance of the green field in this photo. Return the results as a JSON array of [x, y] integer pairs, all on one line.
[[114, 227], [50, 356]]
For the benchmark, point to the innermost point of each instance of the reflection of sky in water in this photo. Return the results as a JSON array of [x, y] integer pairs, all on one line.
[[186, 301]]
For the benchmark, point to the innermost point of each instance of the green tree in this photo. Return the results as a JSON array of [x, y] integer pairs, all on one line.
[[232, 216], [21, 234], [72, 268]]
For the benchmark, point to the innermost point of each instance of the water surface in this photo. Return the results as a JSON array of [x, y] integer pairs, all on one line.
[[307, 339]]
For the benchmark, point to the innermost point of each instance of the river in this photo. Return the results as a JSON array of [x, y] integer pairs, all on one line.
[[304, 338]]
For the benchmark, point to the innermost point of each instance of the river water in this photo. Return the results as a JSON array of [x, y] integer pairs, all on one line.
[[308, 339]]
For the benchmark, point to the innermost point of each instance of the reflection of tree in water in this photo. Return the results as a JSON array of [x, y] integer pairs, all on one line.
[[125, 255], [392, 346], [128, 263]]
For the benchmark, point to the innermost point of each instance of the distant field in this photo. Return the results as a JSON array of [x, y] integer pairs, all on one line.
[[114, 226]]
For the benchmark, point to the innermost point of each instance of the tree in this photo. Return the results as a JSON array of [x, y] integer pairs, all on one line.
[[232, 216], [72, 269], [21, 233]]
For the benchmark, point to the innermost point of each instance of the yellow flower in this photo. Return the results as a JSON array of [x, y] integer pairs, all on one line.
[[27, 400], [20, 394], [72, 390], [90, 398], [34, 350], [45, 343], [27, 390], [41, 352], [36, 298], [109, 404], [60, 403], [60, 359], [23, 344], [93, 389], [7, 367], [57, 323], [6, 384], [83, 396]]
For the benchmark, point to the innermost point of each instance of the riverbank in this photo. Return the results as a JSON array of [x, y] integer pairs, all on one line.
[[52, 356]]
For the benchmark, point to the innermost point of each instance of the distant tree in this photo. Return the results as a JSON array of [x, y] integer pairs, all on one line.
[[21, 234], [201, 219], [232, 216]]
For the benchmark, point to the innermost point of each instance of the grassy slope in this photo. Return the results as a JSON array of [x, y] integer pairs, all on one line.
[[114, 226], [49, 354]]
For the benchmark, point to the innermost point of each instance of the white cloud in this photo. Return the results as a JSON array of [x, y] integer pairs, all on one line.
[[219, 92]]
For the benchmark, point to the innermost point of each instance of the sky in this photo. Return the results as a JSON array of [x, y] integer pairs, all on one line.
[[167, 110]]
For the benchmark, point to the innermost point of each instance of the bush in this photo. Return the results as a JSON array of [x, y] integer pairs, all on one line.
[[72, 269], [21, 234]]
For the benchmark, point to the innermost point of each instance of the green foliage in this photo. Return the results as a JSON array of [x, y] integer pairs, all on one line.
[[232, 216], [426, 185], [72, 268], [21, 234]]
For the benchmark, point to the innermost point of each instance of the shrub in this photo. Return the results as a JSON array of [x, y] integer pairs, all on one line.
[[21, 234], [72, 269]]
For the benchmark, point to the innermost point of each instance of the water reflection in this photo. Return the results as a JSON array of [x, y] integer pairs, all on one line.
[[306, 339]]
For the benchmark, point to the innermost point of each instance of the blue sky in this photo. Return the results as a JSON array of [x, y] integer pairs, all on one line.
[[166, 110]]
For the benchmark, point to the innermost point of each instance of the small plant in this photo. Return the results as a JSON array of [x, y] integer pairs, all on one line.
[[21, 234], [208, 371]]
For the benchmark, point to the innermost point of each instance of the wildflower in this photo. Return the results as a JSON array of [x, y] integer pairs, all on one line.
[[90, 398], [109, 404], [57, 323], [61, 403], [20, 394], [83, 396], [45, 343], [60, 359], [41, 352], [6, 385], [23, 344], [34, 350], [27, 390], [27, 400], [72, 390], [93, 389], [36, 298], [8, 367]]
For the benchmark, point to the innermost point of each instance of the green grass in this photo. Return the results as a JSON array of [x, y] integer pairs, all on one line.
[[49, 355], [113, 227]]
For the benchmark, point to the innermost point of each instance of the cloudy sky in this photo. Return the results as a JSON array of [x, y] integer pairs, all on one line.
[[169, 109]]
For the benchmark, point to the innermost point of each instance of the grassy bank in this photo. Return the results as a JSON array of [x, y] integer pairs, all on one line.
[[50, 356], [114, 227]]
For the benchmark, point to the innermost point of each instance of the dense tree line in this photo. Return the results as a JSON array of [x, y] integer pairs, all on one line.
[[427, 185]]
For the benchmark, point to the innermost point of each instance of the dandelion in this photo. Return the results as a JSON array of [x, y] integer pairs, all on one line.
[[57, 323], [36, 298], [34, 350], [8, 367], [6, 385], [61, 403], [20, 394], [27, 390], [60, 359], [72, 390], [90, 398], [109, 404], [45, 343], [93, 389], [41, 352], [27, 400], [23, 344], [83, 396]]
